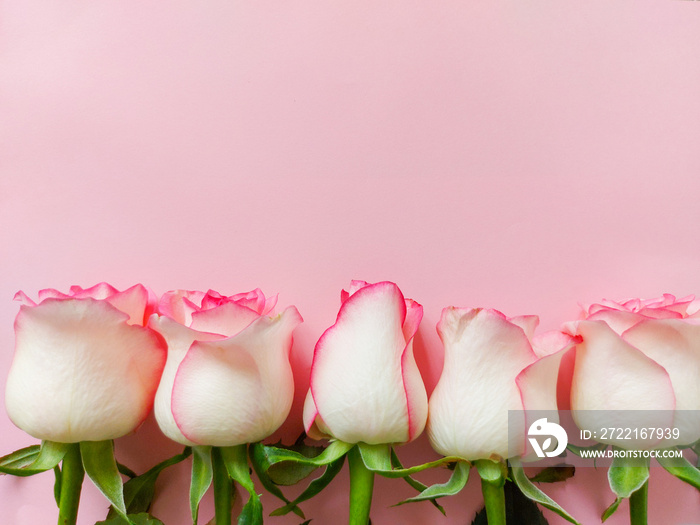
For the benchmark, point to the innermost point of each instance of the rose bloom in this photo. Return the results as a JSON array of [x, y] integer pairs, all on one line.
[[493, 364], [227, 380], [365, 384], [85, 368], [638, 355]]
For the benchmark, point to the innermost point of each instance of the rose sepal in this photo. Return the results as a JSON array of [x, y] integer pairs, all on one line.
[[457, 481], [94, 458], [101, 468], [377, 458], [682, 469], [201, 478], [263, 457], [139, 492], [33, 460], [235, 461], [532, 492], [222, 466], [421, 487], [491, 472], [628, 478]]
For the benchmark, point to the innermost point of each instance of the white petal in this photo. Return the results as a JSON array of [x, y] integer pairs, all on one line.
[[80, 372], [179, 339], [312, 421], [675, 345], [356, 376], [240, 389], [468, 411], [612, 379], [227, 319]]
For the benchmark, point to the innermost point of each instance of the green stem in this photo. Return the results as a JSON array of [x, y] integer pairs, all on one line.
[[638, 505], [72, 476], [495, 502], [222, 489], [361, 486]]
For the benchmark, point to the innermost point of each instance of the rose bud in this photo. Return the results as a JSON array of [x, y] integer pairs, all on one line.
[[227, 380], [493, 364], [637, 366], [365, 384], [85, 368]]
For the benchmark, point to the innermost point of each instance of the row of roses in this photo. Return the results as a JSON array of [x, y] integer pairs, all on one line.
[[90, 365]]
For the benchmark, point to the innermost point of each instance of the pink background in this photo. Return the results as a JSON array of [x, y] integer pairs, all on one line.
[[518, 155]]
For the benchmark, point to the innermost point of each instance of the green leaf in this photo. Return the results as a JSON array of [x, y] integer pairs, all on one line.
[[202, 476], [123, 469], [236, 461], [554, 474], [269, 456], [455, 484], [611, 509], [260, 463], [288, 473], [140, 490], [316, 486], [377, 458], [492, 472], [627, 475], [34, 460], [19, 460], [530, 491], [420, 487], [263, 457], [682, 469], [521, 510], [58, 475], [101, 468], [136, 519]]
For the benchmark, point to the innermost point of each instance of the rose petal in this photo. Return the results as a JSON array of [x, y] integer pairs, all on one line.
[[355, 285], [99, 291], [484, 353], [527, 322], [548, 343], [270, 304], [227, 319], [179, 339], [618, 320], [538, 389], [255, 300], [240, 389], [134, 302], [356, 373], [675, 345], [101, 372], [24, 298], [180, 305], [312, 421], [612, 378], [416, 396]]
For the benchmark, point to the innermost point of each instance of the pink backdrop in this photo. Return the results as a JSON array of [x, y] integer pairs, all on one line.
[[518, 155]]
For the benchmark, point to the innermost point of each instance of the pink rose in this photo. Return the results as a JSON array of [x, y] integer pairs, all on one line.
[[638, 355], [85, 368], [365, 384], [493, 364], [227, 380]]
